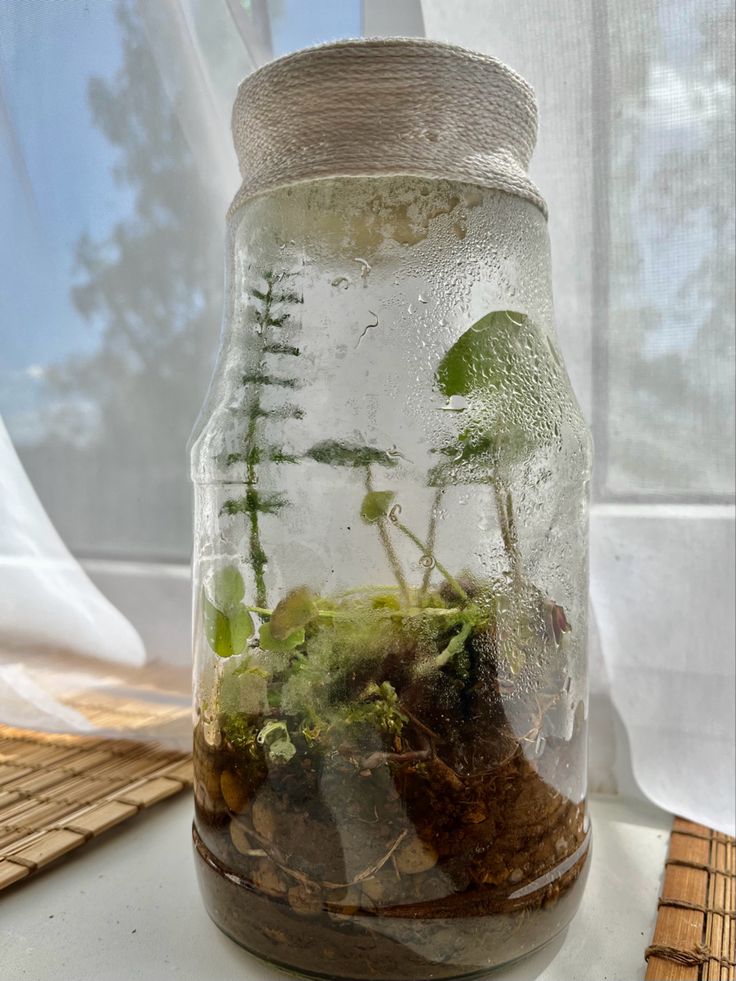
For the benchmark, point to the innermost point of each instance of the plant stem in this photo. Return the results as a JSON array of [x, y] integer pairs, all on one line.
[[387, 546], [431, 532], [257, 555], [260, 610], [412, 611], [440, 568], [507, 525]]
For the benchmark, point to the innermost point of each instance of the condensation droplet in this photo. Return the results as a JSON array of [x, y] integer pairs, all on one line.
[[456, 403]]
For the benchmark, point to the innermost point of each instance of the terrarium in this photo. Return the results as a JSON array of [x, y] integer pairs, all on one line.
[[390, 555]]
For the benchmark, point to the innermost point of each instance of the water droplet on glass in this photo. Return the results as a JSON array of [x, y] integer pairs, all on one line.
[[456, 403]]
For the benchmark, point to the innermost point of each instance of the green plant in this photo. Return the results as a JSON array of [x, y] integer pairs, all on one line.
[[509, 387], [271, 312], [323, 661]]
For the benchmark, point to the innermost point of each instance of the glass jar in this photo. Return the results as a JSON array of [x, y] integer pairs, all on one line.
[[390, 585]]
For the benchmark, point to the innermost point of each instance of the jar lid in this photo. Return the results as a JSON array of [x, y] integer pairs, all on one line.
[[380, 107]]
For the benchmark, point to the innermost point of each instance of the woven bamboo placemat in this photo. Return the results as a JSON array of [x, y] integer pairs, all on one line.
[[695, 933], [57, 792]]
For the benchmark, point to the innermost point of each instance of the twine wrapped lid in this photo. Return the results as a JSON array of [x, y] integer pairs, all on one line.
[[385, 107]]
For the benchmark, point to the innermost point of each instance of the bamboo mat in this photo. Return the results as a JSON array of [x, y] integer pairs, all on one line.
[[695, 934], [57, 792]]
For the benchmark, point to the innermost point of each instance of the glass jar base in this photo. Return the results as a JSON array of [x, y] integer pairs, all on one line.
[[358, 947]]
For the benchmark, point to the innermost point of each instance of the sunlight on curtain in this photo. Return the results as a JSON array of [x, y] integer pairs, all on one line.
[[112, 279]]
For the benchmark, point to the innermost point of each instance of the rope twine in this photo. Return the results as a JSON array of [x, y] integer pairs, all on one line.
[[697, 907], [385, 107], [688, 958], [700, 866]]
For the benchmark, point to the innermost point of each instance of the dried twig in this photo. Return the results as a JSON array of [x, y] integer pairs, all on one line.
[[278, 860]]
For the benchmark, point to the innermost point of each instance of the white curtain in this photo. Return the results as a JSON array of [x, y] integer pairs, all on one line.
[[636, 158], [112, 297]]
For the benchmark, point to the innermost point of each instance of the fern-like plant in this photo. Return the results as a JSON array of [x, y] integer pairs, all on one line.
[[271, 300]]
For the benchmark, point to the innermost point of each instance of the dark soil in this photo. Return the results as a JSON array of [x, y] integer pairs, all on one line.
[[438, 854]]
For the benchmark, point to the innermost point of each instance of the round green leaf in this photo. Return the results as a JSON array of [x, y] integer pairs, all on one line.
[[484, 356], [228, 588], [295, 610], [376, 504], [268, 642], [241, 628], [227, 633]]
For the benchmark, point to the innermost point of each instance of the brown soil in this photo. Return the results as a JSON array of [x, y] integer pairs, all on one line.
[[435, 855]]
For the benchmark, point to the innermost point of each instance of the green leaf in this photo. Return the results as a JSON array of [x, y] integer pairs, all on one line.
[[227, 633], [270, 643], [516, 393], [228, 588], [288, 296], [295, 610], [254, 502], [483, 356], [379, 707], [260, 378], [280, 412], [338, 454], [274, 736], [376, 505], [271, 453], [281, 349], [455, 646]]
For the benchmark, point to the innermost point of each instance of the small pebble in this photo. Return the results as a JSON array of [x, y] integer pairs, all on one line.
[[373, 887], [212, 783], [263, 819], [414, 857], [239, 838], [233, 792]]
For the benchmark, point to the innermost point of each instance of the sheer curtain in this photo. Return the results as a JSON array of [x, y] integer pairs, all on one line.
[[116, 169], [636, 156]]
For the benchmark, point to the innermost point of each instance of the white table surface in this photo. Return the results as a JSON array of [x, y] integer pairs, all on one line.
[[126, 908]]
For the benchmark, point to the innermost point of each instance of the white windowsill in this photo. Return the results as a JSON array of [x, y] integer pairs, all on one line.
[[127, 906]]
